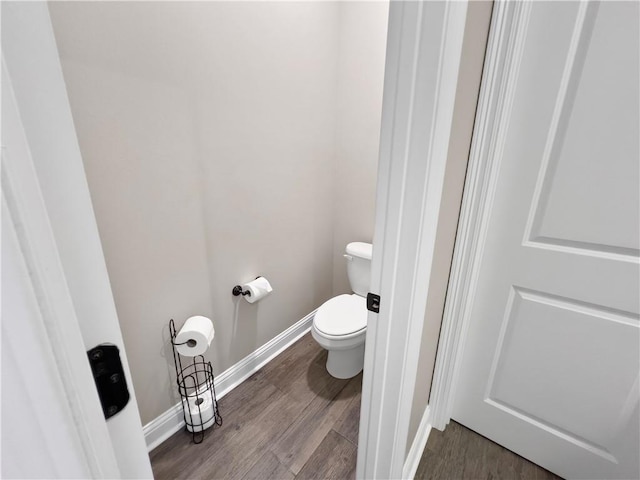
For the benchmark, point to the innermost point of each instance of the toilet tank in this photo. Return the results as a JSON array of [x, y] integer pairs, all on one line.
[[358, 255]]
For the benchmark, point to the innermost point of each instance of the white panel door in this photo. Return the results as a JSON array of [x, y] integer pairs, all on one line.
[[551, 361]]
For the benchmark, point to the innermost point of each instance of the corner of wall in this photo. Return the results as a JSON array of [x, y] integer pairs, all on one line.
[[467, 91]]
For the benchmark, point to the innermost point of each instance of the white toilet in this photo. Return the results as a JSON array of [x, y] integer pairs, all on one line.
[[340, 324]]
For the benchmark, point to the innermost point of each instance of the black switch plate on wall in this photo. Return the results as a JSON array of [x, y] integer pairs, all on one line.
[[109, 377]]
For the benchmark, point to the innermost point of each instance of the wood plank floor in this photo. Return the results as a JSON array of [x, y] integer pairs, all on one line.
[[289, 420], [460, 453], [292, 420]]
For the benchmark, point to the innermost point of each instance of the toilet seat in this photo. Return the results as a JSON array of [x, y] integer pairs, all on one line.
[[341, 317]]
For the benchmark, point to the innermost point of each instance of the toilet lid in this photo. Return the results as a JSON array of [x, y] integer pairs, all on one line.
[[342, 315]]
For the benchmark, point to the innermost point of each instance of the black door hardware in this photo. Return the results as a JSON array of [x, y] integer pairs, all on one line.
[[109, 377], [373, 302]]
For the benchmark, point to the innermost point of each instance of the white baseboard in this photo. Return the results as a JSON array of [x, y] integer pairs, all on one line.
[[417, 447], [168, 423]]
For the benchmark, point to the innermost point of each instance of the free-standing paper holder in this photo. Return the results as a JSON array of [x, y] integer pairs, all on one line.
[[196, 387]]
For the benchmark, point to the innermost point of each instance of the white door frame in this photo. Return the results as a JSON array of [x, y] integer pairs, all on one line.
[[423, 56], [46, 191], [507, 33], [57, 322]]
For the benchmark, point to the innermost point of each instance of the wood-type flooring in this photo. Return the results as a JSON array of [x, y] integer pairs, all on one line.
[[289, 420], [460, 453], [292, 420]]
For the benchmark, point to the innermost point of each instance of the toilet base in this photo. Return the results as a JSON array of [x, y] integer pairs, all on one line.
[[345, 363]]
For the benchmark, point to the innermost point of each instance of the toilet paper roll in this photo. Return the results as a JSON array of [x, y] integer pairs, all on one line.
[[194, 422], [195, 336], [258, 289]]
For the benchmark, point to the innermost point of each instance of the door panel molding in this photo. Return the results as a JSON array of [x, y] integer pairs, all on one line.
[[573, 69], [554, 430]]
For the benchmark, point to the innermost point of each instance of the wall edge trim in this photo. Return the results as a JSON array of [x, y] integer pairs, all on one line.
[[166, 424], [417, 447]]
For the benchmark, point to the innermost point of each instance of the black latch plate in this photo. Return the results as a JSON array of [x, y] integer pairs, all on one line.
[[109, 377], [373, 302]]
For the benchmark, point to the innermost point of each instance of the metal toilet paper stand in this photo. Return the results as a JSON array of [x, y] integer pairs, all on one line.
[[196, 386]]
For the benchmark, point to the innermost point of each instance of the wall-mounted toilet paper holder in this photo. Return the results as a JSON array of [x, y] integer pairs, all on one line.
[[237, 290], [254, 290]]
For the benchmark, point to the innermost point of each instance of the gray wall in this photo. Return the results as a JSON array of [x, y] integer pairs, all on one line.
[[222, 141], [473, 49], [363, 28]]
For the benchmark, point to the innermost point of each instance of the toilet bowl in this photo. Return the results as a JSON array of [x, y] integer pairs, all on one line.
[[340, 324]]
